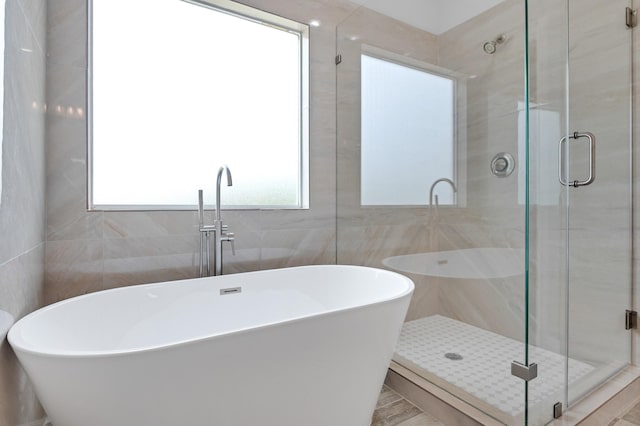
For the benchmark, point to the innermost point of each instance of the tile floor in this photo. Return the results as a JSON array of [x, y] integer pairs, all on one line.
[[631, 418], [394, 410]]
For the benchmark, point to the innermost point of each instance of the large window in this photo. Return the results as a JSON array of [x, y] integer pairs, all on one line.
[[408, 132], [179, 89]]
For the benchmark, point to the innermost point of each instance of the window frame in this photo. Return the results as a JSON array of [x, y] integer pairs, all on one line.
[[243, 12], [459, 135]]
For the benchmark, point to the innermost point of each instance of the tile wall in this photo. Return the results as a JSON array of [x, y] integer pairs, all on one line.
[[368, 235], [599, 220], [89, 251], [495, 209], [22, 207], [43, 215], [487, 124], [600, 214], [490, 122]]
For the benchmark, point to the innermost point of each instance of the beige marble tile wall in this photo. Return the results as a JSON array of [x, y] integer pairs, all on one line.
[[495, 84], [89, 251], [599, 220], [22, 211], [492, 216], [547, 37], [600, 214], [367, 235]]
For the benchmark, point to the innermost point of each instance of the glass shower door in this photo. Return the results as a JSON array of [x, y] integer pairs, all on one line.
[[450, 163], [599, 213], [580, 182]]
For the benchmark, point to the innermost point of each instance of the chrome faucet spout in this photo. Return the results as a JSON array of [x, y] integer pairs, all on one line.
[[221, 231], [449, 181], [218, 183]]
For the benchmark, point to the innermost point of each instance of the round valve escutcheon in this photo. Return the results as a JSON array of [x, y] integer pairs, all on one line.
[[502, 164]]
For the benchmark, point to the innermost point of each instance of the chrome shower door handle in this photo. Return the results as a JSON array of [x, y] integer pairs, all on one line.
[[592, 160]]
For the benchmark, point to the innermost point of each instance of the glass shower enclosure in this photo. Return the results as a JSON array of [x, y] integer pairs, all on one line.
[[484, 150]]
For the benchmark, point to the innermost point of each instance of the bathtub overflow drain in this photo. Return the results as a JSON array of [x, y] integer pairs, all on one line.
[[453, 356]]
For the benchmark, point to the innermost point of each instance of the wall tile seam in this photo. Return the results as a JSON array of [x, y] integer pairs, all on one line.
[[52, 62], [52, 239], [32, 31], [193, 234], [50, 236], [23, 254]]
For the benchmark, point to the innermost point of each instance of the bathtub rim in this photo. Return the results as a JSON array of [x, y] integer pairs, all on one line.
[[18, 344]]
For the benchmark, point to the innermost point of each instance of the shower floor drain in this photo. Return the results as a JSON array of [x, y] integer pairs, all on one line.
[[453, 356]]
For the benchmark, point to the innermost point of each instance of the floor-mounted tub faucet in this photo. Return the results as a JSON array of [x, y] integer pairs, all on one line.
[[433, 214], [449, 181], [220, 231], [222, 234]]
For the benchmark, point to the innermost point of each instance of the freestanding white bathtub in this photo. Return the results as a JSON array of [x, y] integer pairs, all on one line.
[[291, 347]]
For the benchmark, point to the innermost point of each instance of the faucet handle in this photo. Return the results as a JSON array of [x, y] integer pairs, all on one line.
[[231, 237], [200, 208]]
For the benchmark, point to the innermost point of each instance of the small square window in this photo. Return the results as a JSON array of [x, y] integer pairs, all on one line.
[[408, 133]]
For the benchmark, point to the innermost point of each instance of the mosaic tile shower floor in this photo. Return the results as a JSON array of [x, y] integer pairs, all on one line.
[[477, 364]]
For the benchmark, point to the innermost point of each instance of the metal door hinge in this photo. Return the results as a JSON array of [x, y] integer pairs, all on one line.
[[525, 372], [630, 320], [338, 59], [631, 18], [557, 410]]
